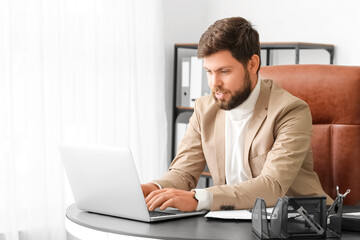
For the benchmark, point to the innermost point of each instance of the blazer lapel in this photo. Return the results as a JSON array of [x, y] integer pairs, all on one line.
[[220, 144], [258, 117]]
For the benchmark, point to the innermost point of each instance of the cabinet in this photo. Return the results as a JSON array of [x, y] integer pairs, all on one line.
[[184, 62]]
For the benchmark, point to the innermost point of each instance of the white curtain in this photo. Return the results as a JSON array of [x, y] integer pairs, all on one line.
[[74, 71]]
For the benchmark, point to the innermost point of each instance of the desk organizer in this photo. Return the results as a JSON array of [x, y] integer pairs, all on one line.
[[298, 217]]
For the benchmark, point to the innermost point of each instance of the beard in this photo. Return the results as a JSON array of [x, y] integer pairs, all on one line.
[[239, 96]]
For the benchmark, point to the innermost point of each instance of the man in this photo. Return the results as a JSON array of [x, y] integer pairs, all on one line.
[[253, 135]]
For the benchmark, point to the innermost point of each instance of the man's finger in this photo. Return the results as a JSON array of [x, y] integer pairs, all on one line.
[[158, 200], [169, 203], [153, 194], [151, 201], [154, 197]]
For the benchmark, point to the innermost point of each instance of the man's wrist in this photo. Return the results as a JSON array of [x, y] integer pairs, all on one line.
[[204, 199], [158, 185]]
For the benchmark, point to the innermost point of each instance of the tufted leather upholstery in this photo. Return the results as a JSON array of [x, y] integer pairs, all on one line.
[[333, 95]]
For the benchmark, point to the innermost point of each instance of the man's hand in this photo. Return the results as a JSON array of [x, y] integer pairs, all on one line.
[[171, 197], [147, 188]]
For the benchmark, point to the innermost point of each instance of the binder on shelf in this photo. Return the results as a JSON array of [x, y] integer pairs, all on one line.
[[196, 76], [205, 90], [179, 133], [185, 82]]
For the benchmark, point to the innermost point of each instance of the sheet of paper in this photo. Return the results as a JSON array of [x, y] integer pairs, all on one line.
[[356, 214], [234, 214]]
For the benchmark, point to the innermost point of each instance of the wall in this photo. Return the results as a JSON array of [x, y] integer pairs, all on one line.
[[322, 21], [184, 22]]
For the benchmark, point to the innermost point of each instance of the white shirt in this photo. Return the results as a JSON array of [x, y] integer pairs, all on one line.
[[236, 124]]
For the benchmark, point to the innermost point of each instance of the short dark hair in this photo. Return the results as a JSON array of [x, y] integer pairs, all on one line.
[[234, 34]]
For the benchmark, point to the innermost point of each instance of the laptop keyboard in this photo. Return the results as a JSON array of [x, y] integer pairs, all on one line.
[[159, 214]]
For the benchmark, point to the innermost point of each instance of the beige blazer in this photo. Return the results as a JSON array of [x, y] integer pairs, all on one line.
[[277, 156]]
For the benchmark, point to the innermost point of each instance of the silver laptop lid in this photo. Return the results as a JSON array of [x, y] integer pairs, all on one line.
[[104, 180]]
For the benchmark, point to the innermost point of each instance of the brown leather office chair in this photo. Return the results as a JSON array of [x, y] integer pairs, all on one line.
[[333, 95]]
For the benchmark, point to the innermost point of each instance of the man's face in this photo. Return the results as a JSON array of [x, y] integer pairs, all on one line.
[[229, 81]]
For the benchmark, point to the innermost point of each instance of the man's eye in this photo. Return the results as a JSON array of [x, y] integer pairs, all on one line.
[[224, 71]]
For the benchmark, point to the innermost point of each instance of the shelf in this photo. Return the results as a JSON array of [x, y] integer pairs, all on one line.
[[289, 45], [184, 109], [187, 45], [268, 46], [207, 177], [206, 174]]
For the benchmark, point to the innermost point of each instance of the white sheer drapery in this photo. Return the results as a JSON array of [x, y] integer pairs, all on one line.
[[74, 71]]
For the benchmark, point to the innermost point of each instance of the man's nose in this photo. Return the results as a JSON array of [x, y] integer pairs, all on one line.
[[215, 81]]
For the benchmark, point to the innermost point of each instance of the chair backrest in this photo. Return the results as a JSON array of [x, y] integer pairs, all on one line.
[[333, 95]]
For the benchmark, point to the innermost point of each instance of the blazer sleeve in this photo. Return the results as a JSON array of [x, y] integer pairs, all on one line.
[[292, 133], [189, 163]]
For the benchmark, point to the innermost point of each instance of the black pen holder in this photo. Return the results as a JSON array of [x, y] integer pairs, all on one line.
[[297, 217]]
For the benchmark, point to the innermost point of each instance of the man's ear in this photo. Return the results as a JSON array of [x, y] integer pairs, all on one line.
[[253, 64]]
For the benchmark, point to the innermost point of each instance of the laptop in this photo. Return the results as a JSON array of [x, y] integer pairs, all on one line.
[[104, 180]]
